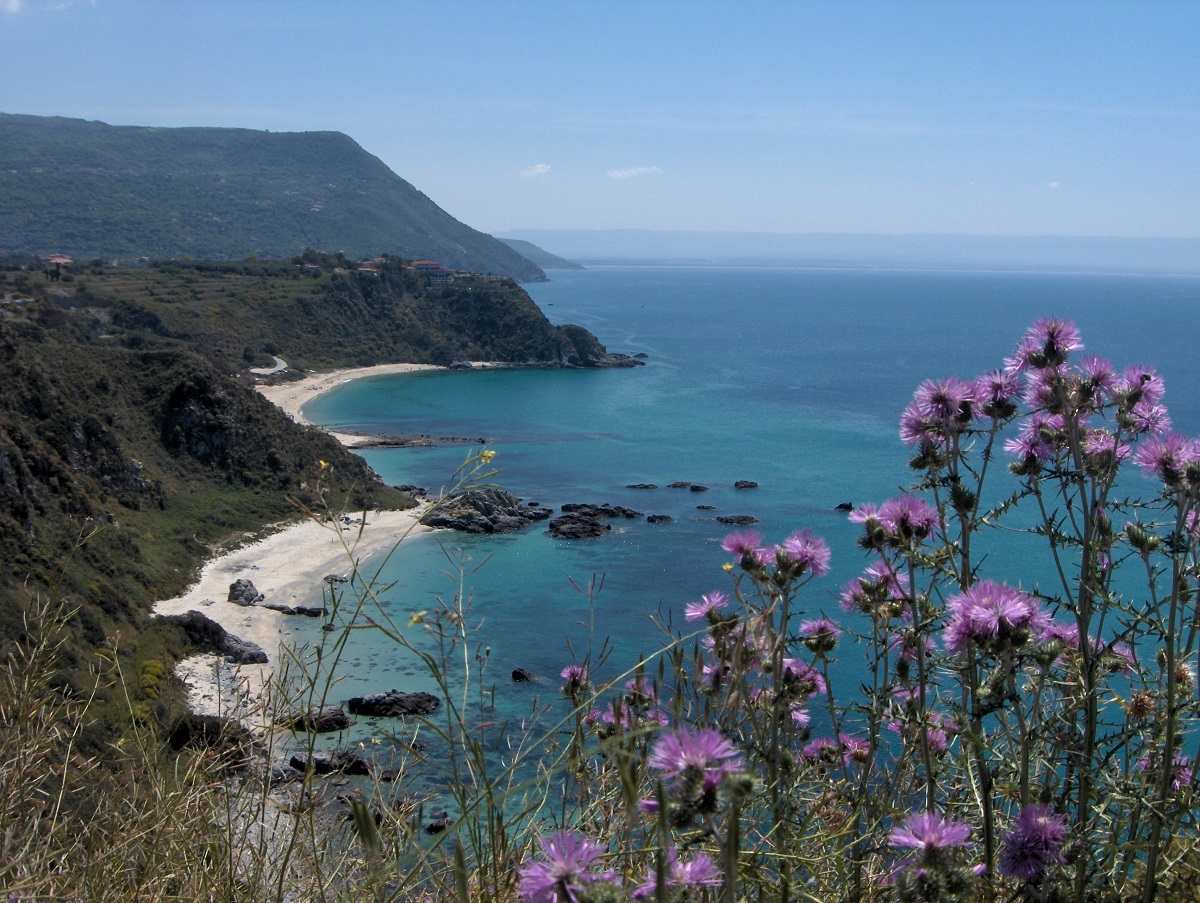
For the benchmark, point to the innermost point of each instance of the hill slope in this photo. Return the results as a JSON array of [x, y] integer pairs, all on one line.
[[88, 189]]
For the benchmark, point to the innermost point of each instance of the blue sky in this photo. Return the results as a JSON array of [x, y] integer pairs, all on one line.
[[1004, 118]]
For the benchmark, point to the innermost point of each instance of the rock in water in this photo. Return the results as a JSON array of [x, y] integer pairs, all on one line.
[[320, 720], [483, 511], [577, 526], [393, 704]]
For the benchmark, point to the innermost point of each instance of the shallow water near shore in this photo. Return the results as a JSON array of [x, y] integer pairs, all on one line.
[[791, 378]]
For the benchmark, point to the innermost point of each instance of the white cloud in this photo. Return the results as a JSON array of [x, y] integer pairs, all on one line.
[[533, 172], [10, 6], [1055, 184], [634, 172]]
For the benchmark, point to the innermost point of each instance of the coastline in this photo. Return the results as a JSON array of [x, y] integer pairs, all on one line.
[[287, 567]]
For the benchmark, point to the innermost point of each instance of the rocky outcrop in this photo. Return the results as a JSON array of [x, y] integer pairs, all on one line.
[[243, 592], [206, 635], [741, 520], [660, 519], [642, 486], [583, 521], [745, 484], [393, 704], [520, 675], [483, 511], [320, 720]]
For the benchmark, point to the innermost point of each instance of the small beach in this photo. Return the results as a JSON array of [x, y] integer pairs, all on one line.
[[287, 567]]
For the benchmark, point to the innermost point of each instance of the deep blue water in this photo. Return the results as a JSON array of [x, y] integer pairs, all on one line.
[[791, 378]]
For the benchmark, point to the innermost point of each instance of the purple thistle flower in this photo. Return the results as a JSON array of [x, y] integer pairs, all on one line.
[[802, 677], [996, 394], [800, 715], [822, 749], [907, 517], [803, 552], [948, 401], [927, 834], [705, 753], [574, 673], [699, 871], [820, 635], [1047, 343], [707, 608], [563, 871], [1034, 844], [1167, 457], [1147, 418], [990, 615], [1097, 376], [743, 544], [1102, 446], [1138, 384]]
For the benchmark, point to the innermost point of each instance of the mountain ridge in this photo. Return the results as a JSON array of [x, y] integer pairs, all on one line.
[[87, 189]]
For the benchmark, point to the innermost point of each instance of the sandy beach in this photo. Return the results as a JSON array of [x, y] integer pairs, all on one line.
[[291, 397], [287, 567]]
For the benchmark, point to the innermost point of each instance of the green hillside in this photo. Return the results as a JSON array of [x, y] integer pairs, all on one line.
[[91, 190], [132, 442]]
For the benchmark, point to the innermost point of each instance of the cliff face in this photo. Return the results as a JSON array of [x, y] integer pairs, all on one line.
[[91, 190], [119, 468]]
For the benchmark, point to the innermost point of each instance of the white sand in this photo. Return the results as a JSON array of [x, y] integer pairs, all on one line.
[[287, 567]]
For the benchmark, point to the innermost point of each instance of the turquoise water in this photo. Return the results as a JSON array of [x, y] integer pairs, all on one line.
[[791, 378]]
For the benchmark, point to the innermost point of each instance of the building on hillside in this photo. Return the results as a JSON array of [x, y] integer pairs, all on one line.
[[437, 274]]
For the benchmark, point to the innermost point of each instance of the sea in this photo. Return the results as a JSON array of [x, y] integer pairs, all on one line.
[[793, 378]]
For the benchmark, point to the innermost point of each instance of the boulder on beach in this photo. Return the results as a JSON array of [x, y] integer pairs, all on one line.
[[206, 635], [243, 592], [393, 704]]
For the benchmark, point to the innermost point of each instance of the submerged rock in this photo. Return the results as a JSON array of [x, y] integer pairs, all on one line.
[[642, 486], [741, 520]]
